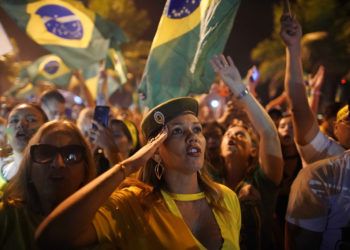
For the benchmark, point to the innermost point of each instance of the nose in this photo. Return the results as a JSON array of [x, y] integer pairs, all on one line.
[[58, 162], [22, 123], [192, 137]]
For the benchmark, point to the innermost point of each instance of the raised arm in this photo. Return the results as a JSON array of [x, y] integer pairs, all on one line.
[[84, 91], [315, 84], [270, 155], [70, 223], [278, 101], [103, 138], [304, 122]]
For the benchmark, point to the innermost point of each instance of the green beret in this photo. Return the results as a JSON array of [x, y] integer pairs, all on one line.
[[160, 115]]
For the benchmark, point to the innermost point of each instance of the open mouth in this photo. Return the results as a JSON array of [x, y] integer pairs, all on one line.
[[22, 135], [231, 143], [193, 151]]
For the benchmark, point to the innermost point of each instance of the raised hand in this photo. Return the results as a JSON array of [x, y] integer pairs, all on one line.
[[316, 81], [227, 71], [291, 31], [101, 136]]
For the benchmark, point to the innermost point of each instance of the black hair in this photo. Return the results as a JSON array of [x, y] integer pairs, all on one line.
[[52, 94]]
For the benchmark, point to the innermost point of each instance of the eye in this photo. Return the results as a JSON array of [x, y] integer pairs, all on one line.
[[14, 120], [240, 135], [71, 157], [176, 131], [32, 119], [117, 134], [197, 129]]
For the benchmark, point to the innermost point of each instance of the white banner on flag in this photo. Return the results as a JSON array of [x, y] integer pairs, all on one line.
[[5, 45]]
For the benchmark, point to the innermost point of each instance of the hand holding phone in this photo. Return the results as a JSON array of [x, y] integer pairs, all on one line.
[[254, 75], [101, 115]]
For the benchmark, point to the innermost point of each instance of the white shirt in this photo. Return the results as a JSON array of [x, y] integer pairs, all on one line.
[[319, 200]]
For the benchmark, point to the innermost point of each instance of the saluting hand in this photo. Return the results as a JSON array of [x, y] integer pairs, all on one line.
[[145, 153]]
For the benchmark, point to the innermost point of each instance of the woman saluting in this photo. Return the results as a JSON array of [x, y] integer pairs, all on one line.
[[172, 204]]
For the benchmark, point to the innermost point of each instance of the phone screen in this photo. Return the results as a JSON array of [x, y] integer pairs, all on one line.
[[101, 115], [255, 74]]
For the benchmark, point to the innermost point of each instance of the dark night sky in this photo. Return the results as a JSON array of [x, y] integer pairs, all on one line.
[[253, 23]]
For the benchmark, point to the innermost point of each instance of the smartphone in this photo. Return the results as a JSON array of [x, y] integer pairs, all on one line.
[[255, 74], [101, 115]]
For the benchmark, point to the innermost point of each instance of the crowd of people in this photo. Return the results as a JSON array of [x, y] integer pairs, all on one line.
[[247, 177]]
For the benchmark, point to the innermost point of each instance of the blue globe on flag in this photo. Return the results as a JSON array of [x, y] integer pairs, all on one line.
[[51, 67], [61, 22], [177, 9]]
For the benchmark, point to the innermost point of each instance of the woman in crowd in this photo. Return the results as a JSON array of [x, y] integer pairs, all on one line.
[[291, 168], [172, 205], [253, 166], [56, 163], [213, 133], [22, 123], [124, 142], [126, 137], [105, 150]]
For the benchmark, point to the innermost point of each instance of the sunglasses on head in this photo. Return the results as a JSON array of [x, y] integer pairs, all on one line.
[[46, 153]]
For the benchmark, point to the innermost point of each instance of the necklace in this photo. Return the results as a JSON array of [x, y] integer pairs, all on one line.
[[185, 197]]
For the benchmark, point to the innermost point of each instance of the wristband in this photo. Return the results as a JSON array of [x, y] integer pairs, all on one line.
[[243, 93]]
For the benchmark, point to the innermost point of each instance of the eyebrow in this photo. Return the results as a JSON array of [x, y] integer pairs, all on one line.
[[181, 123]]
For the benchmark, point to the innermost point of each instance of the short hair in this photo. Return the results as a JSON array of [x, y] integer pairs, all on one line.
[[34, 106], [52, 94]]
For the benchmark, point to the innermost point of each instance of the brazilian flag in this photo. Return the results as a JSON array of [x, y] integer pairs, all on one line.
[[115, 65], [67, 29], [188, 35], [48, 68]]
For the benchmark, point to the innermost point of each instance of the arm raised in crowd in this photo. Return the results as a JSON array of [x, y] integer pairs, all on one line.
[[270, 154], [304, 121], [84, 91], [315, 84], [82, 205]]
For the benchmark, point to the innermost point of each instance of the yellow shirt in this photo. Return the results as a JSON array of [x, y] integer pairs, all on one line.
[[17, 227], [127, 225]]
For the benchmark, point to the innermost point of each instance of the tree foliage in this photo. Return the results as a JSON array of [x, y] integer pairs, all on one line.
[[134, 22]]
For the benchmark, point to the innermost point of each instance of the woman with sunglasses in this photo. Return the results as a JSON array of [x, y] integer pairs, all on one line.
[[56, 163], [172, 205]]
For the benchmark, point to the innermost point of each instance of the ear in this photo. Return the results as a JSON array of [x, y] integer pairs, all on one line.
[[254, 152], [156, 157]]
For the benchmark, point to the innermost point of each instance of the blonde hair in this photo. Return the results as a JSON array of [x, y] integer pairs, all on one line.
[[20, 190], [150, 184]]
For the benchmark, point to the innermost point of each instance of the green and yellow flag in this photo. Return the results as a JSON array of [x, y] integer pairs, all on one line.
[[65, 28], [115, 65], [48, 68], [188, 35]]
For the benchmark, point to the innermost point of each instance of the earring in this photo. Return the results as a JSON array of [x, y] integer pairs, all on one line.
[[158, 170]]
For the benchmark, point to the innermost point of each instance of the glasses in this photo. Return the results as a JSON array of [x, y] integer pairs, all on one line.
[[45, 153]]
